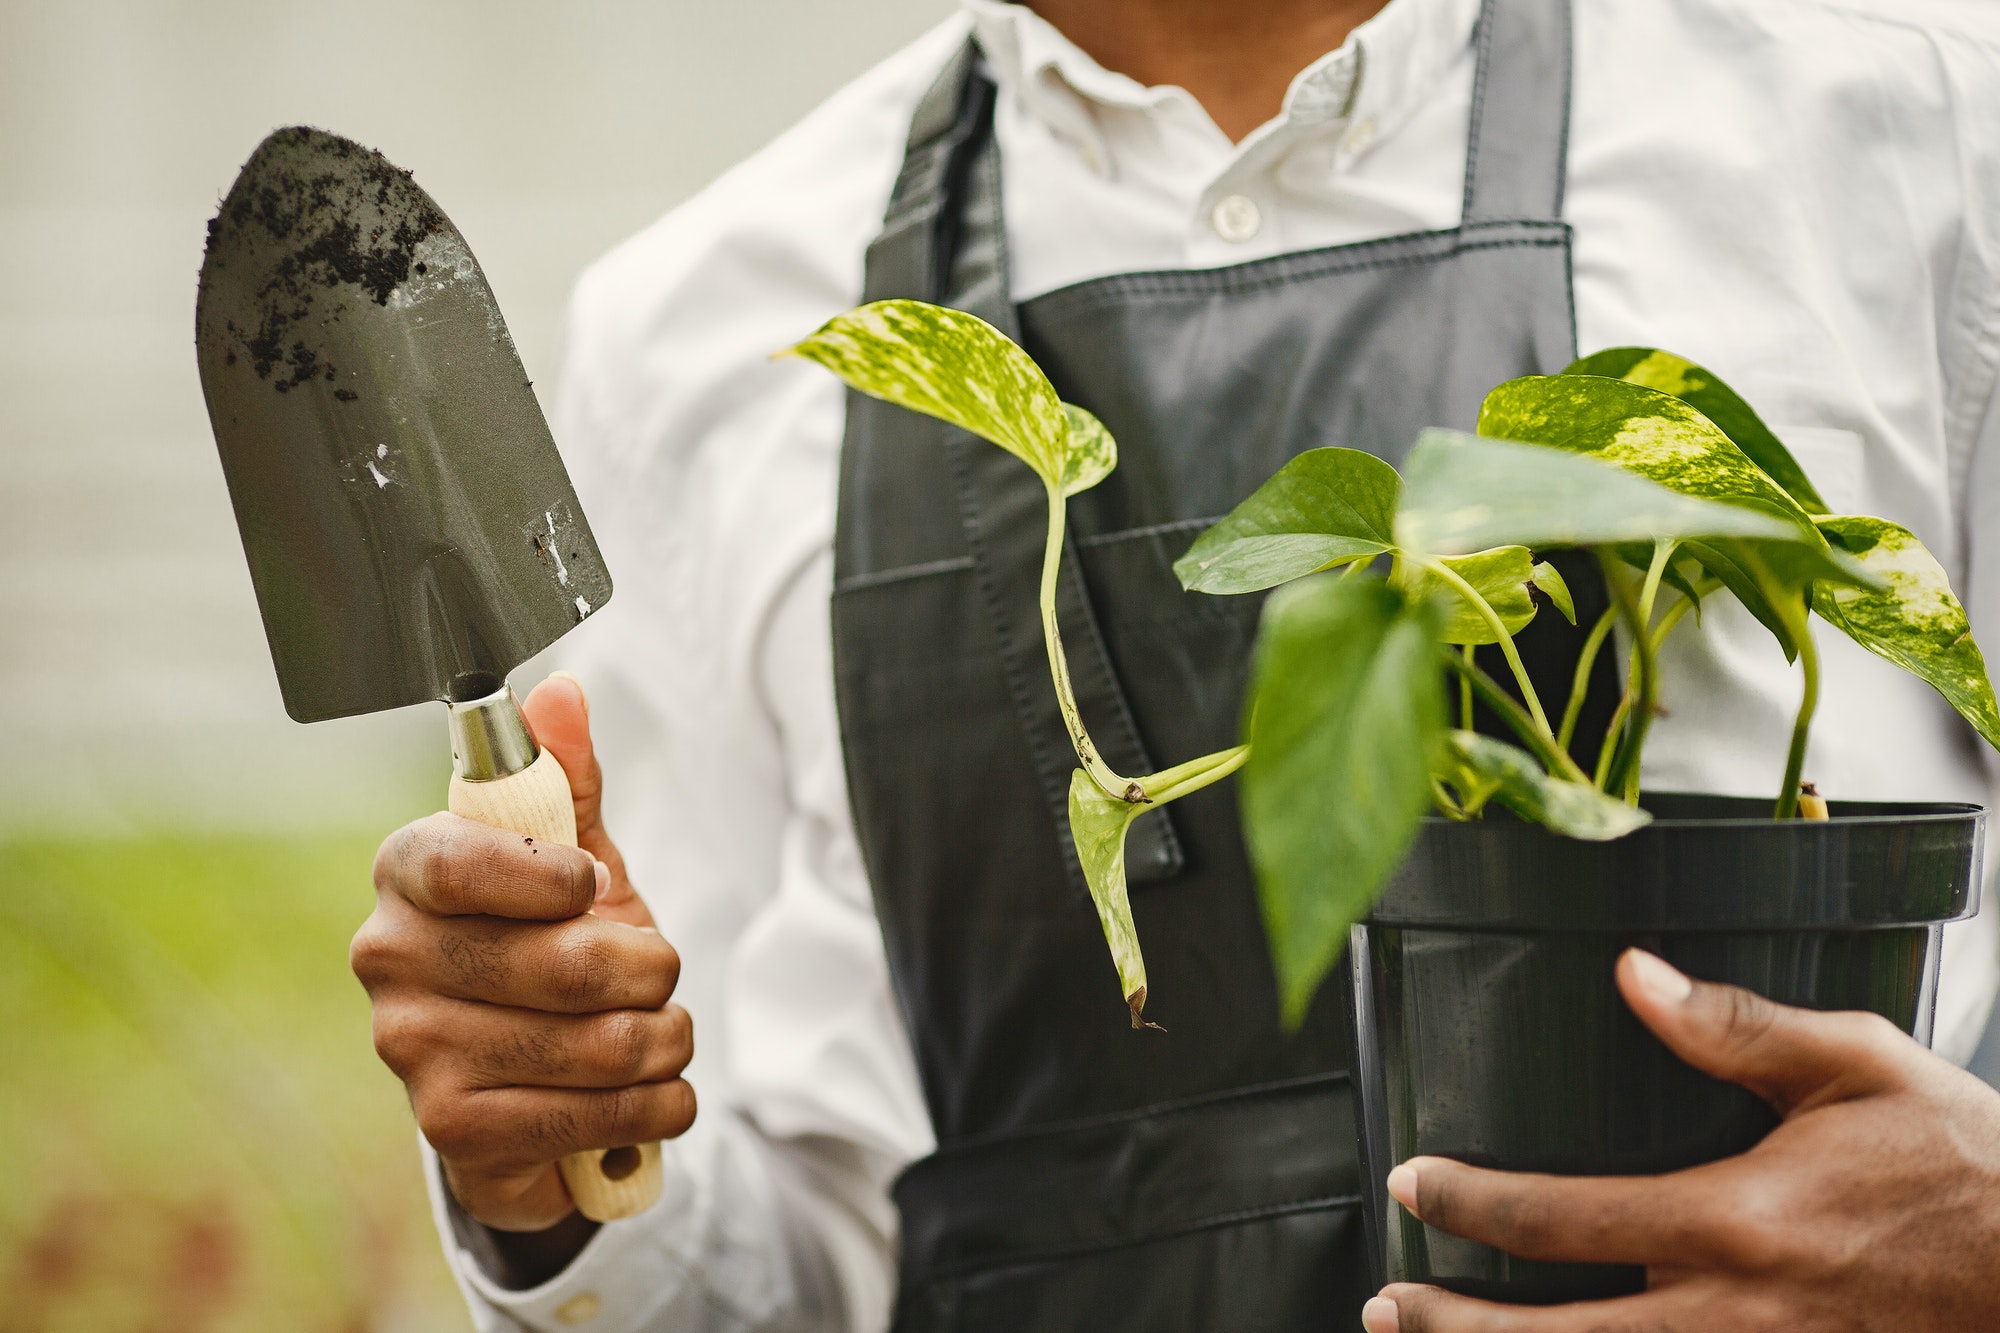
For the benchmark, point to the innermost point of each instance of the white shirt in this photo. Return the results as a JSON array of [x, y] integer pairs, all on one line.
[[1800, 194]]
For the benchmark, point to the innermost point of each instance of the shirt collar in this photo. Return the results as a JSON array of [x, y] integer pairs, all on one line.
[[1376, 79]]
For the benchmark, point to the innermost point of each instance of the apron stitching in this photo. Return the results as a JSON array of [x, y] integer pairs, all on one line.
[[1468, 205], [1151, 530], [902, 573], [1303, 1083], [1230, 282], [1263, 1213]]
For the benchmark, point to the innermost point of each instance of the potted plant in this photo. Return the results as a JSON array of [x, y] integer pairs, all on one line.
[[1480, 948]]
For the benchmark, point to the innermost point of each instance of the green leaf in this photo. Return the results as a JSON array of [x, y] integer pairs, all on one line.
[[1704, 391], [1347, 695], [1464, 493], [957, 367], [1092, 454], [1550, 580], [1501, 576], [1914, 620], [1098, 824], [1476, 764], [1326, 507]]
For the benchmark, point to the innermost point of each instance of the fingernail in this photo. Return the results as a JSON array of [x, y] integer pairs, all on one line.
[[1403, 1189], [1659, 979], [1380, 1315], [603, 881]]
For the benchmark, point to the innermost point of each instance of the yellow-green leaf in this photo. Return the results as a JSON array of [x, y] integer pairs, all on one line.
[[1500, 575], [1091, 454], [1550, 580], [957, 367], [1703, 390], [1465, 493], [1098, 824], [1914, 620]]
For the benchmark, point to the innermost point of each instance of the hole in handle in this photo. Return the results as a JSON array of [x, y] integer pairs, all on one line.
[[619, 1163]]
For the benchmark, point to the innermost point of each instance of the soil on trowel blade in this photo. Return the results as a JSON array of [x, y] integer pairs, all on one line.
[[351, 222]]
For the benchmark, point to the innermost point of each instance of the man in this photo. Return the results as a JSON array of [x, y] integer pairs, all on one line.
[[1233, 231]]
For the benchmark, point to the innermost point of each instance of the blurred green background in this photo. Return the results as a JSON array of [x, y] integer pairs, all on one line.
[[195, 1135]]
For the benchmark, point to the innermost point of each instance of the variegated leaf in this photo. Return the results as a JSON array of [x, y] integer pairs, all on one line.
[[1325, 508], [1464, 493], [1666, 440], [1091, 454], [1704, 391], [1098, 824], [957, 367], [1914, 621], [1642, 430]]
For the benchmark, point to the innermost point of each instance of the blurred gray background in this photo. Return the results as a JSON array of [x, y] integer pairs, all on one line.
[[135, 690]]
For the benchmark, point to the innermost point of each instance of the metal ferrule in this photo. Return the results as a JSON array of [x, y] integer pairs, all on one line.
[[489, 737]]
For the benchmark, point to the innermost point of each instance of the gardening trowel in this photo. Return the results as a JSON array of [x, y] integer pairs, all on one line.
[[410, 528]]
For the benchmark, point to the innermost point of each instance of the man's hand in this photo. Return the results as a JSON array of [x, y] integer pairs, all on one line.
[[1874, 1205], [524, 1029]]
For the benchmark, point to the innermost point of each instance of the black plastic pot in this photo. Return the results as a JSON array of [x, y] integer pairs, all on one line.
[[1491, 1031]]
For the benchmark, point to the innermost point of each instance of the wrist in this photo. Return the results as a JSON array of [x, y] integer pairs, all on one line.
[[518, 1260]]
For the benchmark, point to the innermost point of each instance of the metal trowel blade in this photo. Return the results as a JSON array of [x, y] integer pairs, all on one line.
[[411, 531]]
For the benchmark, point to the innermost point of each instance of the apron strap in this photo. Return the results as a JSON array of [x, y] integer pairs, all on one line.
[[944, 240], [1517, 150]]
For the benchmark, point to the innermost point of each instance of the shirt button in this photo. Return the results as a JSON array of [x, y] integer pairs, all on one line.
[[579, 1309], [1362, 137], [1236, 217]]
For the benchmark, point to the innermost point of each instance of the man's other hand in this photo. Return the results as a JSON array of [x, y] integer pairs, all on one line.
[[1874, 1205], [522, 993]]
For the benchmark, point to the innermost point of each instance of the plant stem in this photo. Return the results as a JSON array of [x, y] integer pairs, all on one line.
[[1580, 684], [1672, 618], [1609, 748], [1537, 739], [1625, 764], [1170, 784], [1465, 689], [1791, 609], [1501, 636], [1113, 785]]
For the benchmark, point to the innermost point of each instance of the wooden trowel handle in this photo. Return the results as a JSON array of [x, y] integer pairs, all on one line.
[[606, 1183]]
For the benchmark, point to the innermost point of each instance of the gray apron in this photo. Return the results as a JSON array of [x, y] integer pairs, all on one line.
[[1089, 1176]]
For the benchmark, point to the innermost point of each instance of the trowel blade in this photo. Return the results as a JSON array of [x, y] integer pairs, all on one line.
[[411, 531]]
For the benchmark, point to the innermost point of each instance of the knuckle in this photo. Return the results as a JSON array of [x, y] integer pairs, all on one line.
[[668, 966], [680, 1036], [1751, 1227], [446, 878], [623, 1044], [402, 1039], [678, 1108], [578, 970], [373, 956], [451, 1125], [1869, 1032], [1744, 1015]]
